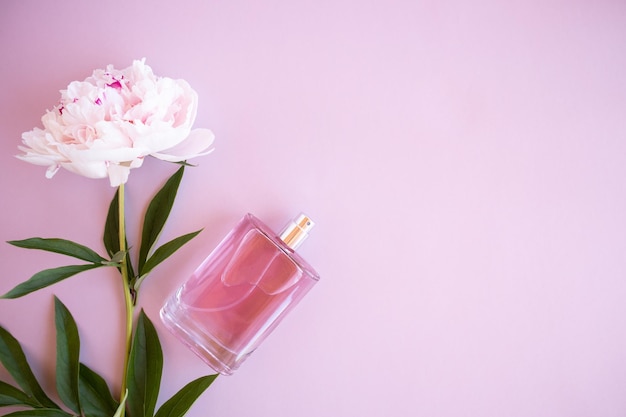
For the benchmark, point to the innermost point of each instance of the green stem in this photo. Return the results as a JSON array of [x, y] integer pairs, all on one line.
[[128, 300]]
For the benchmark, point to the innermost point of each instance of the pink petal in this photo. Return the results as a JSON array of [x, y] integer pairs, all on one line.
[[118, 174], [198, 143]]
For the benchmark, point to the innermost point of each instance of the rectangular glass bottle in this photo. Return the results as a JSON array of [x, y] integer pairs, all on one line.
[[240, 293]]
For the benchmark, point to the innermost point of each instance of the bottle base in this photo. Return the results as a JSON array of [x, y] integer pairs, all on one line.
[[213, 353]]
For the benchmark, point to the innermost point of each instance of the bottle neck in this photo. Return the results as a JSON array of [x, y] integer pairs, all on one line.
[[297, 231]]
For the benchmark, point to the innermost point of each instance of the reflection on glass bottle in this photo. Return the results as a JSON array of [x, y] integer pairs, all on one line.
[[241, 292]]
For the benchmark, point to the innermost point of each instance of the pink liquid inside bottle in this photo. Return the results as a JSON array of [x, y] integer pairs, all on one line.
[[240, 292]]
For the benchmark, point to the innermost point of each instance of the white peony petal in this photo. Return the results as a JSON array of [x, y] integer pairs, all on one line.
[[87, 169], [52, 169], [197, 144], [41, 160], [118, 174]]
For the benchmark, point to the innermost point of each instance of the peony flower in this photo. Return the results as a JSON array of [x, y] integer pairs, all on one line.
[[107, 124]]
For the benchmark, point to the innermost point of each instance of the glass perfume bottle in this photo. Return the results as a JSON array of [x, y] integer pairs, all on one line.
[[240, 293]]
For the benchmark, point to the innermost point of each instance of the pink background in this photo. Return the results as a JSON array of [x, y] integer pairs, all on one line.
[[465, 163]]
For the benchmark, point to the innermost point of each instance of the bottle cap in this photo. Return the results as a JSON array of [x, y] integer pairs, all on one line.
[[296, 231]]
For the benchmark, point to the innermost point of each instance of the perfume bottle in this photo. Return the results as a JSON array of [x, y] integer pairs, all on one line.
[[240, 293]]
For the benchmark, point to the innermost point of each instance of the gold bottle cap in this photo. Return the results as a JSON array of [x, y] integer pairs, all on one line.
[[296, 231]]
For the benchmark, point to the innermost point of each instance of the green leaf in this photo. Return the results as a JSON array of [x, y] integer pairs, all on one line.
[[46, 278], [156, 215], [111, 236], [184, 163], [122, 406], [96, 399], [41, 412], [179, 404], [62, 246], [13, 358], [118, 257], [9, 395], [166, 250], [68, 348], [144, 369]]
